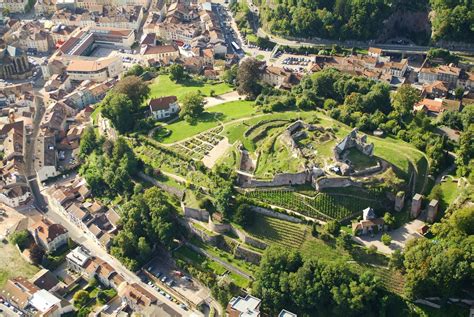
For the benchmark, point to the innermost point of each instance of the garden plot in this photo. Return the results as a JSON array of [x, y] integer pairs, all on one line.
[[201, 145]]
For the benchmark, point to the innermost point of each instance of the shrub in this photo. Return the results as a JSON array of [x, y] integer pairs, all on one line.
[[20, 238], [386, 239], [372, 249]]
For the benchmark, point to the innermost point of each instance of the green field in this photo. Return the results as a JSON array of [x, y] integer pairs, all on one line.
[[209, 119], [359, 160], [164, 86], [13, 265], [200, 261]]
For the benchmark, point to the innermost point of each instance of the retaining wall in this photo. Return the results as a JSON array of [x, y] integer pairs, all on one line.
[[248, 255], [198, 214]]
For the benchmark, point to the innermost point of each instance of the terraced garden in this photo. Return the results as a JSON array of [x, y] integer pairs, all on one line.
[[276, 231], [324, 206]]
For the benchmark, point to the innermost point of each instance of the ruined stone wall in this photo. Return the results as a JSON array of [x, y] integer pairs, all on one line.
[[198, 214], [334, 182]]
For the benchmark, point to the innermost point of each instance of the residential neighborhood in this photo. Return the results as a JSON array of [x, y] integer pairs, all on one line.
[[236, 158]]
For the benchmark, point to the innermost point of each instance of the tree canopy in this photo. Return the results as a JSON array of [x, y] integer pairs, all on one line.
[[147, 220]]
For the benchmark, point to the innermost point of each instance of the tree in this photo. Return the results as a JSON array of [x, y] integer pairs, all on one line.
[[88, 142], [223, 195], [144, 250], [20, 238], [389, 219], [36, 254], [177, 72], [230, 75], [135, 70], [118, 108], [463, 220], [248, 76], [192, 106], [332, 227], [344, 241], [244, 215], [5, 12], [396, 260], [405, 98], [459, 92], [80, 298], [135, 89], [386, 239]]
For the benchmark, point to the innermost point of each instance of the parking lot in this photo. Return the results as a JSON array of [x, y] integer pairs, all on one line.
[[170, 282]]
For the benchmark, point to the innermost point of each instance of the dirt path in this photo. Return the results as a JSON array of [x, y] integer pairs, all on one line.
[[218, 100]]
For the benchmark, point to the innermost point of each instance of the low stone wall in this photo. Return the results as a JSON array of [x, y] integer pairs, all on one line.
[[248, 255], [333, 182], [219, 227], [203, 235], [283, 179], [245, 238], [274, 214], [368, 170], [198, 214]]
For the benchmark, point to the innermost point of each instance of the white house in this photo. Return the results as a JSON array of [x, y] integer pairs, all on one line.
[[49, 235], [163, 107]]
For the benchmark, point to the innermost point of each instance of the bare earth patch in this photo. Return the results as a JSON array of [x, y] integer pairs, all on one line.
[[220, 149]]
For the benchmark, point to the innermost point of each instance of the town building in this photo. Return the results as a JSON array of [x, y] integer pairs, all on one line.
[[369, 223], [159, 54], [244, 306], [49, 235], [98, 70], [163, 107], [14, 6], [137, 297]]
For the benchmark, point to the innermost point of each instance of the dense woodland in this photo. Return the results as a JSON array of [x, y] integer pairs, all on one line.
[[364, 19]]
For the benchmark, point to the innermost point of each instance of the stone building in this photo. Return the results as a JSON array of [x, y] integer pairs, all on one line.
[[432, 211], [416, 205], [14, 64]]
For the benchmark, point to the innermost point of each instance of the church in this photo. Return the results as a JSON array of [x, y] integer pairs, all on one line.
[[14, 64]]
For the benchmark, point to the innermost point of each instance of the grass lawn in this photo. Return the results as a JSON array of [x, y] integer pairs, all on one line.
[[200, 261], [360, 160], [260, 57], [209, 119], [13, 265], [450, 191], [164, 86]]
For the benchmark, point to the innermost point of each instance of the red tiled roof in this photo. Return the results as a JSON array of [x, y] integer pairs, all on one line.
[[161, 103]]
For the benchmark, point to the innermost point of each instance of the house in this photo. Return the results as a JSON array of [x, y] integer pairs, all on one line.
[[436, 106], [18, 291], [449, 74], [137, 297], [437, 89], [375, 52], [244, 306], [49, 235], [163, 107], [285, 313], [368, 224], [44, 279], [46, 157], [49, 305], [76, 259], [416, 205]]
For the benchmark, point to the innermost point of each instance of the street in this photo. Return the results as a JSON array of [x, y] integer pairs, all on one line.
[[78, 235]]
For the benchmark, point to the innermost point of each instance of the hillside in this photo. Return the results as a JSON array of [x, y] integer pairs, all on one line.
[[379, 20]]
